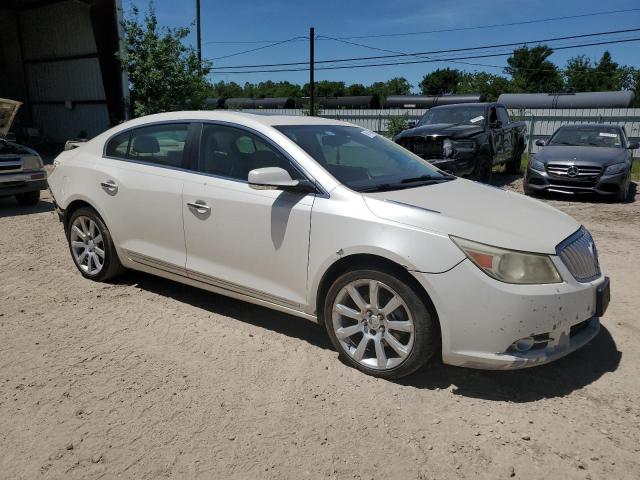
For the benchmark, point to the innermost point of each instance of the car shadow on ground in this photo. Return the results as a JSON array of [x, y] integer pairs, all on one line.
[[275, 321], [10, 208], [501, 179], [556, 379]]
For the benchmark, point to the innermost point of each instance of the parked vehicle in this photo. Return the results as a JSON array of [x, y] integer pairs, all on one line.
[[587, 158], [467, 139], [21, 169], [331, 222]]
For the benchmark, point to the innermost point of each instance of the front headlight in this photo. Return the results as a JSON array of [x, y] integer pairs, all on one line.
[[447, 148], [615, 168], [509, 266], [536, 165], [32, 162]]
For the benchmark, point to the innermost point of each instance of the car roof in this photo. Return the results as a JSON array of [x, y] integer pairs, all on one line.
[[468, 104], [235, 117], [594, 126]]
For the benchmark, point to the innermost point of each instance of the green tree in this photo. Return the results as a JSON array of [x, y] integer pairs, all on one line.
[[608, 73], [326, 88], [531, 72], [398, 86], [229, 89], [580, 76], [163, 72], [443, 81], [486, 84], [357, 89]]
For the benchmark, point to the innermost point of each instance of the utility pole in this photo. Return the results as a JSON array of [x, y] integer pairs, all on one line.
[[198, 42], [312, 85]]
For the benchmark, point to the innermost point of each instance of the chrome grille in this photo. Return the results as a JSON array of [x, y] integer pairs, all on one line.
[[579, 254], [573, 171]]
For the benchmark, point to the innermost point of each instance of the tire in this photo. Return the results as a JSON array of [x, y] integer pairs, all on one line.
[[483, 171], [513, 166], [623, 194], [87, 233], [389, 352], [28, 199]]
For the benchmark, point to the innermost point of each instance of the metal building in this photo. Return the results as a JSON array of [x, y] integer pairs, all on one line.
[[58, 58]]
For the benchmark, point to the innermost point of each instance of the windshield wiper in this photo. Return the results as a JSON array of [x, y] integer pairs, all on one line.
[[428, 178]]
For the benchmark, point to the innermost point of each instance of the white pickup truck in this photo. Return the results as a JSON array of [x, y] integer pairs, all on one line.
[[22, 172]]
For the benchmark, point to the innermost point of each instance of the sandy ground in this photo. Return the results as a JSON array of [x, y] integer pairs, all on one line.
[[146, 378]]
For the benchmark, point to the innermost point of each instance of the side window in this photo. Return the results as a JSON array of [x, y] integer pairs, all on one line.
[[160, 144], [118, 145], [232, 152], [503, 116]]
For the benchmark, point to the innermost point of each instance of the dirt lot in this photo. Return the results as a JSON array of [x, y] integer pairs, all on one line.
[[146, 378]]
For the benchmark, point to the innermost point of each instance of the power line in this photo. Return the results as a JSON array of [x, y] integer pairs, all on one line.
[[339, 67], [495, 25], [258, 48], [445, 30], [418, 54]]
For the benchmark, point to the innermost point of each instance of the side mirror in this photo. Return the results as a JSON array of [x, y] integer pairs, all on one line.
[[276, 178], [411, 124], [540, 143], [633, 146]]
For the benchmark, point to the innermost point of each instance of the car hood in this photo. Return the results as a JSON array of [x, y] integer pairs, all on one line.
[[8, 110], [477, 212], [442, 129], [591, 155]]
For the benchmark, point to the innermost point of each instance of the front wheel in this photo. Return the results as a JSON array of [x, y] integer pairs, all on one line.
[[483, 170], [379, 324], [91, 246]]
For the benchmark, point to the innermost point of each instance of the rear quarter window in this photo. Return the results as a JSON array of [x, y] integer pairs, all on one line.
[[118, 146]]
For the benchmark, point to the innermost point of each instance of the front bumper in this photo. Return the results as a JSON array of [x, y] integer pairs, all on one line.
[[16, 183], [481, 318], [538, 181]]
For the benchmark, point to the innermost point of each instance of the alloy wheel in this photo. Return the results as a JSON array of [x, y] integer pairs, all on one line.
[[87, 245], [373, 324]]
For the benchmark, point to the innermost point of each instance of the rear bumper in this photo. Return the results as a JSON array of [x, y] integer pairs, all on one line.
[[603, 185], [16, 183]]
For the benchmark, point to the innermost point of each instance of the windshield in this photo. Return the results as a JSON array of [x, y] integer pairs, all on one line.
[[471, 115], [361, 159], [588, 137]]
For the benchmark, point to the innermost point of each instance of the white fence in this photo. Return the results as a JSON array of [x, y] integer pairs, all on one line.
[[541, 123]]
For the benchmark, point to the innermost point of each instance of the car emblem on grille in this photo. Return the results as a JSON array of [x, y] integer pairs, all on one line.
[[572, 171]]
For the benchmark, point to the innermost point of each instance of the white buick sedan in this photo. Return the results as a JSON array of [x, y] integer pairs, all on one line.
[[333, 223]]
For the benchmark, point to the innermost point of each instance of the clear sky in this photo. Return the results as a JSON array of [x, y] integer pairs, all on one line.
[[252, 21]]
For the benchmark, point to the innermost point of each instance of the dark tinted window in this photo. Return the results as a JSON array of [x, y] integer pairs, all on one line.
[[118, 145], [601, 136], [470, 115], [160, 144], [233, 153]]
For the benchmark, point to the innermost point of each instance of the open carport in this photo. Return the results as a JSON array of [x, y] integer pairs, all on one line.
[[58, 58]]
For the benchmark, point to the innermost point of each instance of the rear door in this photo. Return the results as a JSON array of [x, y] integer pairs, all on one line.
[[253, 242], [140, 179]]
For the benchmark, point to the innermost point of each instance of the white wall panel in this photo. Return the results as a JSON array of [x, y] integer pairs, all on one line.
[[78, 79]]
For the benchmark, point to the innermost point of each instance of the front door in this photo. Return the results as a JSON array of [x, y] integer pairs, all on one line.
[[253, 242]]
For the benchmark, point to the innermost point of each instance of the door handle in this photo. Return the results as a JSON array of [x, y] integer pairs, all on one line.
[[110, 187], [199, 206]]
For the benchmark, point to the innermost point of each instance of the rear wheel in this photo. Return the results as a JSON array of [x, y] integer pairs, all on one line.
[[91, 246], [379, 324], [28, 199], [513, 166]]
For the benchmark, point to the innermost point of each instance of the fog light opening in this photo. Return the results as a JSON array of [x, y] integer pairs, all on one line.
[[524, 344]]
